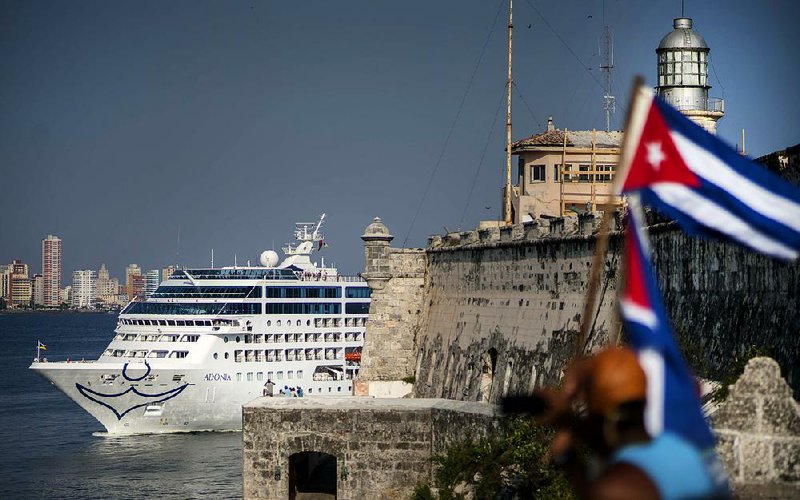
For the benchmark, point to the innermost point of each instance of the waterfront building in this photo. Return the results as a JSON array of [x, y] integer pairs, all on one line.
[[133, 287], [151, 281], [19, 286], [107, 287], [65, 294], [84, 291], [51, 271], [166, 272], [562, 172], [5, 278], [38, 290]]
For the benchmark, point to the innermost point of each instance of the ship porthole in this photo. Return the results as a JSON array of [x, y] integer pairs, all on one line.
[[237, 338], [226, 355], [225, 339], [216, 355]]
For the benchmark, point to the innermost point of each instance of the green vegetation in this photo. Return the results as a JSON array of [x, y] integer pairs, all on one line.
[[513, 464], [410, 379]]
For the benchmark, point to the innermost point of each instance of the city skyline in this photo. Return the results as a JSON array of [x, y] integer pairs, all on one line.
[[154, 133]]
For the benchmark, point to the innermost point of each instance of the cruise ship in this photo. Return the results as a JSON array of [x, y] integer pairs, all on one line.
[[207, 341]]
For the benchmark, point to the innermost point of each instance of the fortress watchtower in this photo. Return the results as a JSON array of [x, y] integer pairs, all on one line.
[[683, 75]]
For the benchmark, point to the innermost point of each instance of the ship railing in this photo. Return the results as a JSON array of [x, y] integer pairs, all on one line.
[[309, 276]]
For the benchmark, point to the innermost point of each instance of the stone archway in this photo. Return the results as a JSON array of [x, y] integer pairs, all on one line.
[[312, 476], [488, 367]]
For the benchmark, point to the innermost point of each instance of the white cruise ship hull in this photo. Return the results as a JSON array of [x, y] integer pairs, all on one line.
[[194, 402]]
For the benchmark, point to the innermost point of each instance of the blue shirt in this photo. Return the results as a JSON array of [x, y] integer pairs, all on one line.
[[676, 467]]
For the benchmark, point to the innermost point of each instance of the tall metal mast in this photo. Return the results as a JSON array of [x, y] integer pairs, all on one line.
[[607, 50], [507, 211]]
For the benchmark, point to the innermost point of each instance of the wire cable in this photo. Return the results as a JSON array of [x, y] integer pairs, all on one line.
[[483, 156], [453, 124], [522, 98]]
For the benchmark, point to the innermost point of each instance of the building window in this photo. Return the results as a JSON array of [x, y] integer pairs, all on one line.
[[585, 177], [538, 173]]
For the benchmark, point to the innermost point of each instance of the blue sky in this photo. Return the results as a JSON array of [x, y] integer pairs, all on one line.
[[126, 122]]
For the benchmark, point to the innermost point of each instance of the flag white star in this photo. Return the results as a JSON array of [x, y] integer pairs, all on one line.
[[654, 154]]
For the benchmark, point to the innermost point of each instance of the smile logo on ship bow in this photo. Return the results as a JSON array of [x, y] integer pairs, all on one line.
[[115, 401]]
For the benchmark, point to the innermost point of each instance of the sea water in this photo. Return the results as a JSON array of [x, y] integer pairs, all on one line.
[[51, 448]]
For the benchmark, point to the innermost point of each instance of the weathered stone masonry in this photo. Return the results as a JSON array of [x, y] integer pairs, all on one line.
[[386, 444], [500, 308]]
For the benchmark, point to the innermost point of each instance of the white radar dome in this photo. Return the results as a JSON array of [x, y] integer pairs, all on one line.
[[269, 258]]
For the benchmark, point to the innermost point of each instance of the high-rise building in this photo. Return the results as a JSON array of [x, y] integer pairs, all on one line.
[[38, 290], [152, 280], [137, 287], [84, 291], [167, 272], [5, 278], [107, 287], [51, 271], [19, 286], [130, 272]]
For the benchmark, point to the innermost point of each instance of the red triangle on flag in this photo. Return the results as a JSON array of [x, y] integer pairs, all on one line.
[[657, 159]]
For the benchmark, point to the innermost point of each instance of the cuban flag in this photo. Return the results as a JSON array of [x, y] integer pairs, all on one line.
[[705, 185], [673, 401]]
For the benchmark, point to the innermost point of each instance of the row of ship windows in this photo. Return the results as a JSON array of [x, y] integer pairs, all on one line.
[[259, 376], [122, 353], [197, 309], [258, 356], [318, 322], [256, 292], [257, 338], [170, 337], [249, 338]]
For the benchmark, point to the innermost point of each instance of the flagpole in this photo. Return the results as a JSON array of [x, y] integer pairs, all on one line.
[[601, 247]]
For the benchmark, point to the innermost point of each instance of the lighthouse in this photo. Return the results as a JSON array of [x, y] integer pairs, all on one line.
[[683, 75]]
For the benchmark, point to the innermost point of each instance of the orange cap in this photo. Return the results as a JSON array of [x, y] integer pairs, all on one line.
[[614, 376]]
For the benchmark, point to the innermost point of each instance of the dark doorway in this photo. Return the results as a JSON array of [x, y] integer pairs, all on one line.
[[312, 476]]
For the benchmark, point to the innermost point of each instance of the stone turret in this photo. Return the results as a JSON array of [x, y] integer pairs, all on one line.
[[396, 277], [376, 254]]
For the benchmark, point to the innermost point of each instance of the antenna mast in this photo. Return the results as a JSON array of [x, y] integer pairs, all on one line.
[[607, 50], [507, 214]]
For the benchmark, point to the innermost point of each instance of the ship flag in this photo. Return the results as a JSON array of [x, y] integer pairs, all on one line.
[[705, 185], [41, 346]]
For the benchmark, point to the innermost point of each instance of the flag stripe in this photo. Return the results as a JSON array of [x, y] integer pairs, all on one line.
[[759, 199], [653, 365], [635, 312], [686, 202]]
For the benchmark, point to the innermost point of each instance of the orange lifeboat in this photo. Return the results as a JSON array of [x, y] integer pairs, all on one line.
[[353, 356]]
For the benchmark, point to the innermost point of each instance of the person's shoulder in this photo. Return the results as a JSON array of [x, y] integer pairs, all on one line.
[[623, 481]]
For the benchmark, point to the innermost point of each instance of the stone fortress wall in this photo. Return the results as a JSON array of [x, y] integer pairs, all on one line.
[[500, 308]]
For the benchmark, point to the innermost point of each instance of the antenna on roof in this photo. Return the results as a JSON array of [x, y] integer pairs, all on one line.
[[607, 49]]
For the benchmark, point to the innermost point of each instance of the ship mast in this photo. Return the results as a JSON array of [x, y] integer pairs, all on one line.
[[507, 211]]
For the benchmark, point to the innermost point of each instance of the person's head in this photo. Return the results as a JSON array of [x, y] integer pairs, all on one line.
[[615, 392]]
